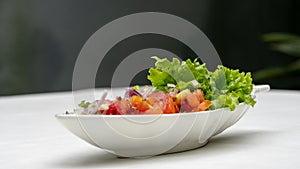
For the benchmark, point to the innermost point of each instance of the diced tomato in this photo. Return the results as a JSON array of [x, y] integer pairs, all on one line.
[[189, 101], [171, 107], [162, 102], [101, 111], [154, 110], [199, 94], [192, 100], [138, 103], [112, 110], [123, 106], [185, 107], [179, 98], [118, 107], [158, 99]]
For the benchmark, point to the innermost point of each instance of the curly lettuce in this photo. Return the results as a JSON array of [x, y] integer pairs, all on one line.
[[224, 87], [182, 74], [230, 87]]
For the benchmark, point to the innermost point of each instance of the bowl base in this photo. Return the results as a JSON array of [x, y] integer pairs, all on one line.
[[177, 149], [186, 147]]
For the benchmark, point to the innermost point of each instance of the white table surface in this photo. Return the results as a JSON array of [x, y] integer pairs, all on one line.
[[268, 136]]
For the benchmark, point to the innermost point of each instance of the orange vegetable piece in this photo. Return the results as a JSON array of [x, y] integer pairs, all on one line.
[[138, 103], [204, 105], [171, 106]]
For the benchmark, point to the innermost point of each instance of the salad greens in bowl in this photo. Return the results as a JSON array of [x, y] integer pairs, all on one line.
[[184, 107], [185, 86]]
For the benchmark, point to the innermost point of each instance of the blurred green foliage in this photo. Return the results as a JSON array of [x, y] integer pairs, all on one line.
[[284, 43], [17, 52]]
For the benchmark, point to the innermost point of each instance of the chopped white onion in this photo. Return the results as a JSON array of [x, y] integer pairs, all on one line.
[[171, 85], [195, 82]]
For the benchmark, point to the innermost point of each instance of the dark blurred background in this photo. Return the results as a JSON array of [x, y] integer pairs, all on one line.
[[40, 40]]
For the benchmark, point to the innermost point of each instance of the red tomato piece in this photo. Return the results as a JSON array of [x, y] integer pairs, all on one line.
[[112, 110], [171, 107], [157, 99], [192, 100], [185, 107], [199, 94], [123, 106], [154, 110]]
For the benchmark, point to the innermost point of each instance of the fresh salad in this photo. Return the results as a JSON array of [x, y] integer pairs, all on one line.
[[178, 87]]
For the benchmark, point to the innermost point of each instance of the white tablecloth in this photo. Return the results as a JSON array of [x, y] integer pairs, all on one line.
[[268, 136]]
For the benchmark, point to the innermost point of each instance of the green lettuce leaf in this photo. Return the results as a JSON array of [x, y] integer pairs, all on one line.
[[230, 87], [179, 71], [181, 85], [160, 79], [167, 72], [180, 74], [224, 87], [84, 104], [201, 74]]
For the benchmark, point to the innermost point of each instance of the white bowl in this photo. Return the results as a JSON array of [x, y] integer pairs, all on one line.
[[148, 135]]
